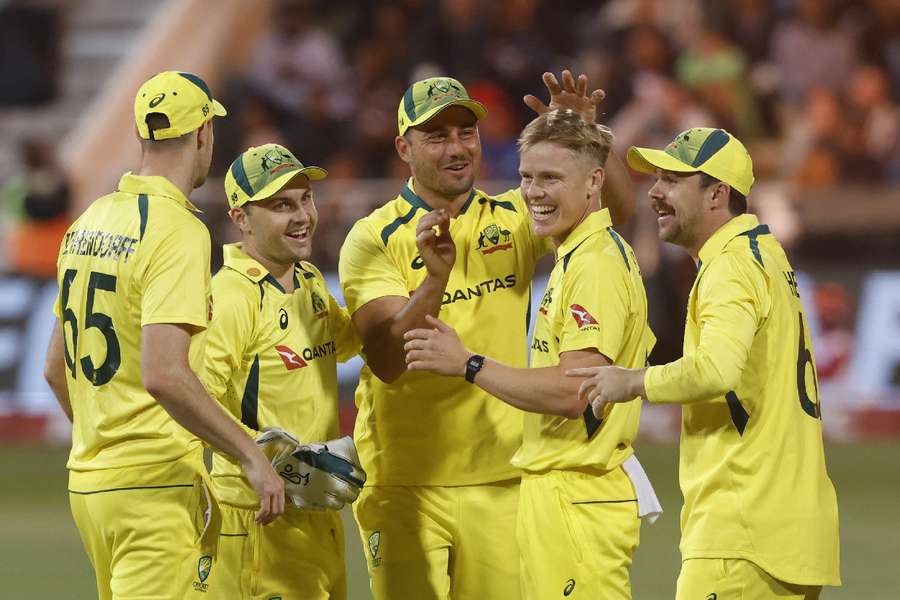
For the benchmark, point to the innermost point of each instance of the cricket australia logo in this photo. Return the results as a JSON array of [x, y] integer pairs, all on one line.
[[374, 543], [494, 238], [274, 161], [546, 300], [204, 565], [318, 305], [442, 88], [584, 319]]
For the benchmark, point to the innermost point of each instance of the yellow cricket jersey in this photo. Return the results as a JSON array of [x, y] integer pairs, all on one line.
[[271, 357], [135, 257], [595, 299], [426, 429], [752, 461]]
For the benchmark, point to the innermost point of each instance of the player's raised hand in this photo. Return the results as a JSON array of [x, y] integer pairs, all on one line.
[[438, 350], [608, 385], [569, 93], [267, 485], [436, 248]]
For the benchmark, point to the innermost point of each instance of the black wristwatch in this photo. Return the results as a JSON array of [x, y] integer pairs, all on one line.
[[473, 365]]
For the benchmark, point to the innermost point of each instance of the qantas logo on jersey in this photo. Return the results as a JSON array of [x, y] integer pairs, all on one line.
[[494, 238], [290, 358], [582, 316], [483, 288]]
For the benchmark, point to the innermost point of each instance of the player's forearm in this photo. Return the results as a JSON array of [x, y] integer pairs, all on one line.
[[618, 193], [716, 366], [61, 391], [426, 300], [55, 370], [383, 344], [181, 394], [696, 378], [543, 390]]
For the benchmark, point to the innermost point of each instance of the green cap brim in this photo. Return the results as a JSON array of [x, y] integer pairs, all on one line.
[[218, 109], [280, 182], [477, 108], [648, 160]]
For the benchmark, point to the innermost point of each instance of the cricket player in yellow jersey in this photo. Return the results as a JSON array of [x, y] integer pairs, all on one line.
[[760, 515], [272, 350], [440, 503], [133, 306], [583, 491]]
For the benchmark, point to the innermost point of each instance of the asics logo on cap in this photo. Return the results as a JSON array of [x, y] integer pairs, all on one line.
[[155, 100]]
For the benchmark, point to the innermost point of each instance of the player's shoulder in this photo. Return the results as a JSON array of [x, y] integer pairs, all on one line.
[[165, 223], [307, 271], [394, 208], [233, 292], [234, 284], [385, 223], [393, 211], [604, 251], [743, 254]]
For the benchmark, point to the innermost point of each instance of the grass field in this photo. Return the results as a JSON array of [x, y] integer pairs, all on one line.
[[41, 555]]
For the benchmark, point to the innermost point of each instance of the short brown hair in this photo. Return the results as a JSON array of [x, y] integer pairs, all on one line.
[[737, 202], [567, 129]]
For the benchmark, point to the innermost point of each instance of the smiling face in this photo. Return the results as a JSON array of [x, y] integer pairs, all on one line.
[[444, 153], [279, 230], [560, 187], [681, 204]]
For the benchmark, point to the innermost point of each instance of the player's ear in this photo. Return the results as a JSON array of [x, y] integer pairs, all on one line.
[[598, 176], [404, 148], [238, 216], [721, 192], [203, 134]]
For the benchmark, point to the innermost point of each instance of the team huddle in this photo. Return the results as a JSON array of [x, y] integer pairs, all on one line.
[[474, 472]]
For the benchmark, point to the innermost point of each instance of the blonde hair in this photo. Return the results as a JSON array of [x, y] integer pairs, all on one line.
[[567, 129]]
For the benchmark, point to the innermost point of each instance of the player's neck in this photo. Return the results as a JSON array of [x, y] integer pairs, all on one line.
[[452, 204], [708, 229], [179, 172], [283, 273]]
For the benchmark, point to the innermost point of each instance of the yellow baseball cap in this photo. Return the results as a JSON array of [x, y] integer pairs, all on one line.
[[424, 99], [182, 97], [262, 171], [712, 151]]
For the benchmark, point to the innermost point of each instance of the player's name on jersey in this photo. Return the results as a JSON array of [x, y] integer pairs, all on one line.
[[101, 244], [486, 287]]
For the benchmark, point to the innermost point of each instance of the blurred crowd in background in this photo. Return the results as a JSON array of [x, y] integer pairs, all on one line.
[[810, 86]]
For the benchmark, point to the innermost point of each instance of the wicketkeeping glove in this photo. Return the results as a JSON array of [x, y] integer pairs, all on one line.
[[276, 443], [322, 476]]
